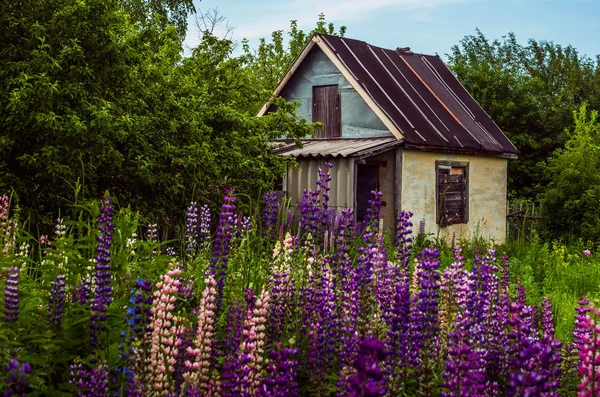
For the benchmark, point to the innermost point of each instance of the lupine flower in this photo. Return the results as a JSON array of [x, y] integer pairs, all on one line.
[[230, 373], [270, 213], [204, 227], [368, 381], [199, 369], [253, 345], [280, 380], [60, 229], [91, 383], [11, 295], [57, 300], [403, 239], [152, 233], [165, 328], [589, 356], [16, 378], [282, 289], [82, 291], [103, 290], [222, 244], [191, 228]]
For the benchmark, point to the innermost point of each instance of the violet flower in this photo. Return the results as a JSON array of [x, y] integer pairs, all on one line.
[[403, 239], [103, 290], [90, 383], [222, 245], [11, 295], [16, 378], [191, 229], [369, 378], [270, 214], [280, 380], [57, 300], [204, 228]]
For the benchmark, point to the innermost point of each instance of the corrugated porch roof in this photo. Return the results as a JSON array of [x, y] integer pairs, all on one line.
[[337, 147]]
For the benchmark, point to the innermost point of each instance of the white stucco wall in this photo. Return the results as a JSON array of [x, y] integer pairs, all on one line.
[[487, 194]]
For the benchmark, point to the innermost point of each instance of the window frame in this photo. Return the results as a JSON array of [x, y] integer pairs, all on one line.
[[445, 164]]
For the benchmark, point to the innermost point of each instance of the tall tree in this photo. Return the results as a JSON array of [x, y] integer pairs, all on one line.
[[531, 91], [93, 101], [571, 199]]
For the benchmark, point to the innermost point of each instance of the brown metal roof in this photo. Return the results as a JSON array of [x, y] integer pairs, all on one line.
[[337, 147], [420, 96]]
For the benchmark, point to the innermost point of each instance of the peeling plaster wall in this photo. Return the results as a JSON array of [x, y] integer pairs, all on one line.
[[487, 194], [358, 120]]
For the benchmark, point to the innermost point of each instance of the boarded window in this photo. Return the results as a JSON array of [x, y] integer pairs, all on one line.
[[452, 192], [367, 180], [326, 110]]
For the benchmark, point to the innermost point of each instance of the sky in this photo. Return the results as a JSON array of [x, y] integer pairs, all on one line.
[[426, 26]]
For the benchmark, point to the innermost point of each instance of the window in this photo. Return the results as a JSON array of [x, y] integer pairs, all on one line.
[[452, 192], [326, 110]]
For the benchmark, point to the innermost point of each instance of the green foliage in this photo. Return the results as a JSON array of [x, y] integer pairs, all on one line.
[[530, 91], [93, 101], [571, 199]]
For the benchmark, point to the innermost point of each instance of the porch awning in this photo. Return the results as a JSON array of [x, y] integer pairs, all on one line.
[[336, 147]]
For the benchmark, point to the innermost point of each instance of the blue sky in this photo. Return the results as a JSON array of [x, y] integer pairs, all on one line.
[[427, 26]]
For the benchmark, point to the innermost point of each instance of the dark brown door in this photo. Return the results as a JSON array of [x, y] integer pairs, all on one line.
[[326, 110]]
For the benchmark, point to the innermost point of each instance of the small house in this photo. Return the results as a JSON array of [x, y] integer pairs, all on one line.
[[401, 123]]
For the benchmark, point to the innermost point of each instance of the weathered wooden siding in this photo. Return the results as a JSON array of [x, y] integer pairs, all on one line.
[[487, 194], [358, 120], [306, 176]]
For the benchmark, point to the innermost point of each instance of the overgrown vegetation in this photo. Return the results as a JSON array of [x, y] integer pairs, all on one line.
[[272, 304]]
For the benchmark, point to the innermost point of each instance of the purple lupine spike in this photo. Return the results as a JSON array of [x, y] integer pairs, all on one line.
[[222, 244], [16, 378], [230, 372], [403, 239], [204, 228], [152, 233], [56, 301], [547, 319], [92, 382], [398, 337], [465, 373], [281, 374], [191, 229], [368, 381], [385, 275], [325, 328], [270, 214], [342, 263], [82, 291], [424, 322], [11, 295], [533, 363], [103, 290]]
